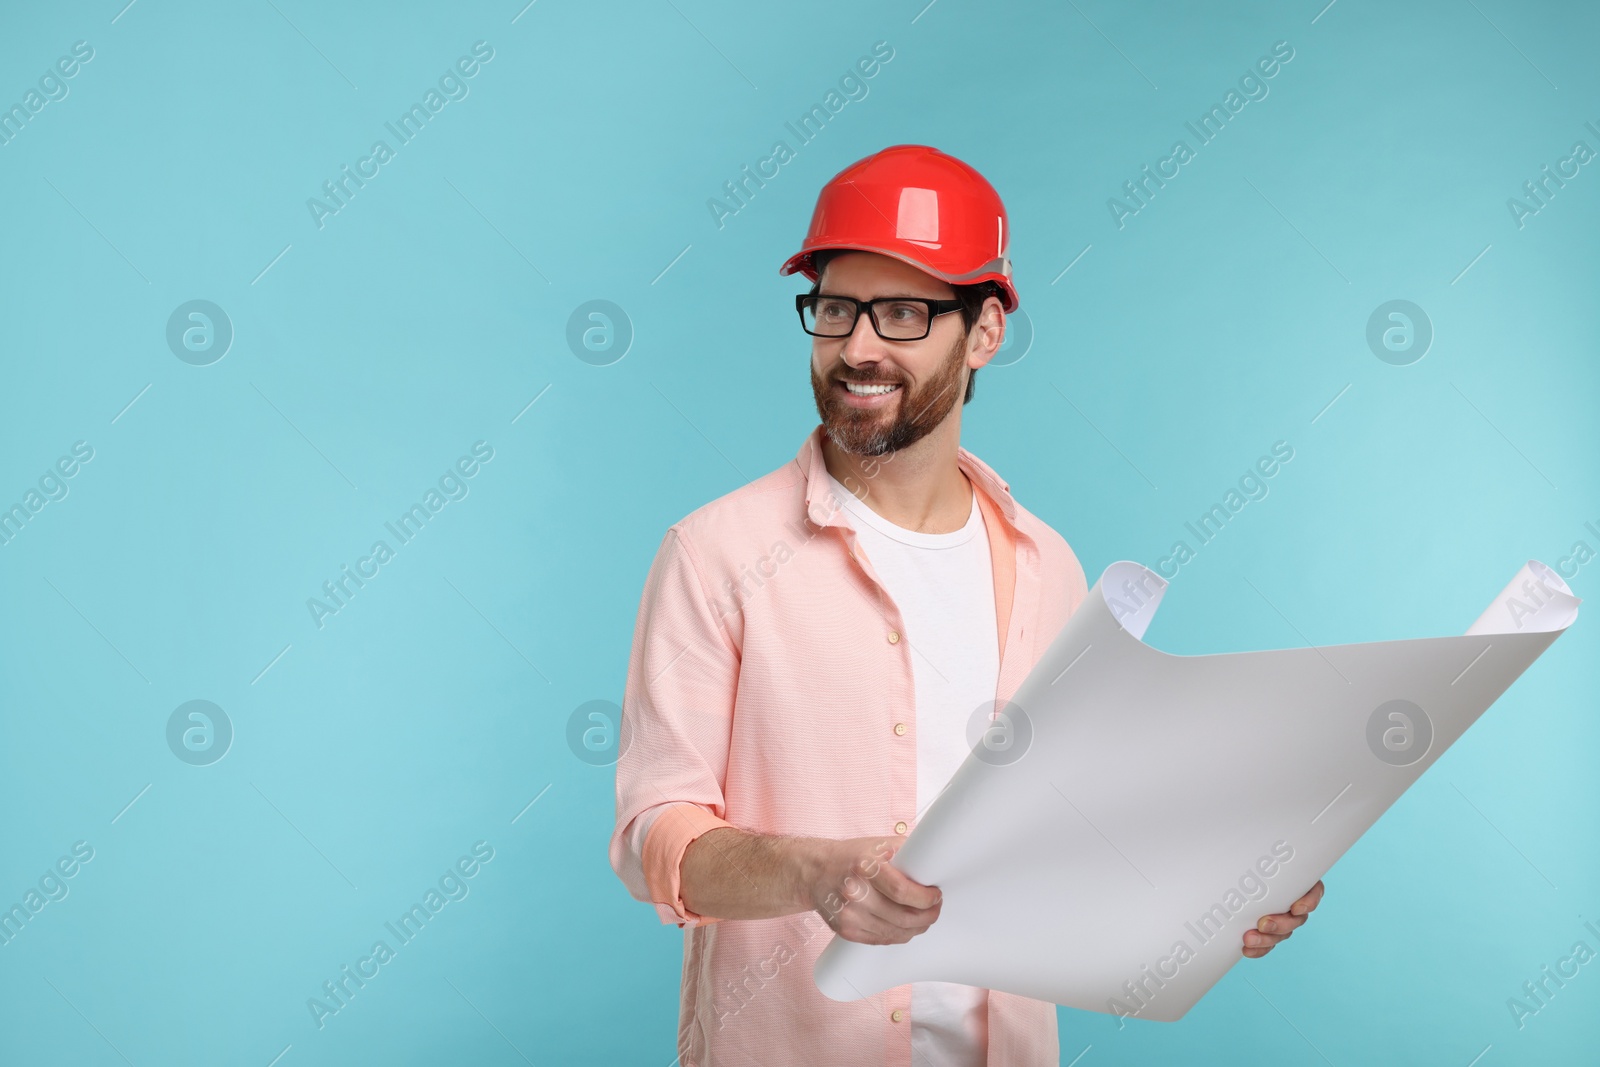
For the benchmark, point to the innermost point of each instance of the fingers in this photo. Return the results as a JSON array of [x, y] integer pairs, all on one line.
[[868, 900], [1272, 935], [1269, 931], [1308, 903], [856, 923], [877, 921], [1279, 926], [871, 917]]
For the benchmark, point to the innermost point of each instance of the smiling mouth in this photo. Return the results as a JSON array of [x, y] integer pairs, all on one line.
[[869, 389]]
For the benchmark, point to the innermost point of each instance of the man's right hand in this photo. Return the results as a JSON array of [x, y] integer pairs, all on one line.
[[862, 898]]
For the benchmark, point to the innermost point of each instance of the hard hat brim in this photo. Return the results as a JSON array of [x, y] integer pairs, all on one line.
[[801, 263]]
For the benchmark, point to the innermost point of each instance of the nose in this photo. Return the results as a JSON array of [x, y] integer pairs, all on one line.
[[863, 345]]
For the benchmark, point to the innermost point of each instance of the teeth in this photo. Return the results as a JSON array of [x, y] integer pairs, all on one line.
[[869, 390]]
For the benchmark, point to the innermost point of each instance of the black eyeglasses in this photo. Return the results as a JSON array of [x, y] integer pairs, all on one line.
[[895, 318]]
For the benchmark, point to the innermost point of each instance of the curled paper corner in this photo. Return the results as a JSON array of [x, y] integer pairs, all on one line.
[[1132, 592], [1535, 601]]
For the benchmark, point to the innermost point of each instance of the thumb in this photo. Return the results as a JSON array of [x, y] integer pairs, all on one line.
[[903, 889]]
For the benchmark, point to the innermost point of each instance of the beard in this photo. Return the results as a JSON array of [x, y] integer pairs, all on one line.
[[913, 414]]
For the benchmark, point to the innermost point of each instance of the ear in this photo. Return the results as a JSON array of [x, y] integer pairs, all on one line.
[[988, 333]]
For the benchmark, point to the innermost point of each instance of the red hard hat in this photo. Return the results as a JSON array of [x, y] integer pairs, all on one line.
[[922, 207]]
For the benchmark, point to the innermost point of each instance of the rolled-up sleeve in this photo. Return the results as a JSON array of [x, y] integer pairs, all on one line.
[[677, 716]]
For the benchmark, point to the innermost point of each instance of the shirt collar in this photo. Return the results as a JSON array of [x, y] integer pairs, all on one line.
[[823, 510]]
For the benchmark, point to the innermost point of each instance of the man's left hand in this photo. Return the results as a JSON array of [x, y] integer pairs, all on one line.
[[1274, 928]]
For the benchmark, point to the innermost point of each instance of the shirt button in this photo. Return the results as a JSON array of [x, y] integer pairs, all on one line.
[[897, 1015], [900, 827], [894, 637], [899, 727]]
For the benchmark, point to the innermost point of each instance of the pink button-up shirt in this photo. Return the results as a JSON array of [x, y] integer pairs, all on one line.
[[768, 674]]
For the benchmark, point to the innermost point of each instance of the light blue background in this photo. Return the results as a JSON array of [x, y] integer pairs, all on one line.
[[426, 315]]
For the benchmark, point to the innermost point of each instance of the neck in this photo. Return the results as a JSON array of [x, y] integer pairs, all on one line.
[[918, 488]]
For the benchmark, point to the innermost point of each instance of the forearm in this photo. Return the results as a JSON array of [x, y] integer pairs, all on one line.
[[727, 873]]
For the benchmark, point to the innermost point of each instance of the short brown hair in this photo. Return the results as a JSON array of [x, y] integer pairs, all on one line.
[[972, 298]]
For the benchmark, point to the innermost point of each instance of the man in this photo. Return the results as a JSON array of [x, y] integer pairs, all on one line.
[[815, 651]]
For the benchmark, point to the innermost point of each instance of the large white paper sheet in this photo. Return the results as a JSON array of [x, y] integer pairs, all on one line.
[[1108, 842]]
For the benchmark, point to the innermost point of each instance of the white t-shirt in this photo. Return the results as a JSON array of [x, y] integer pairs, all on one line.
[[943, 585]]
